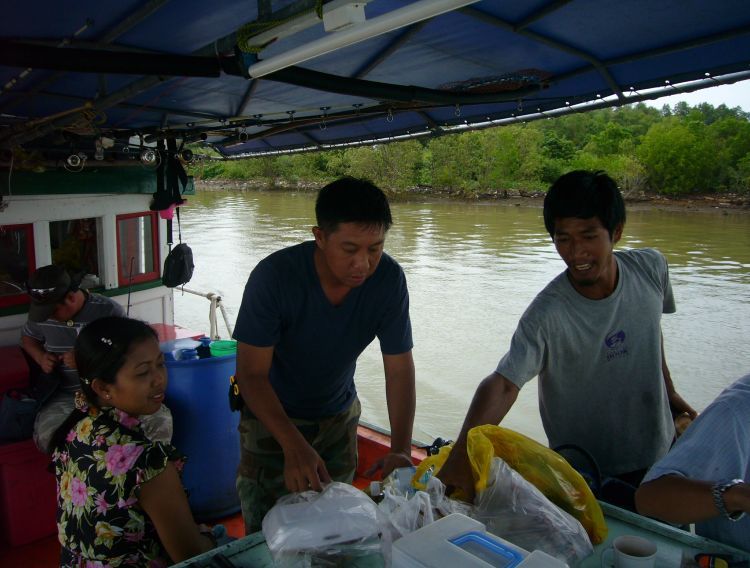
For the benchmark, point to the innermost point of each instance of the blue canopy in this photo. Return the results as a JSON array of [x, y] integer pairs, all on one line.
[[87, 75]]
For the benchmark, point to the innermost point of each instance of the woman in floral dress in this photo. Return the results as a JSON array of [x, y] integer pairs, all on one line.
[[120, 499]]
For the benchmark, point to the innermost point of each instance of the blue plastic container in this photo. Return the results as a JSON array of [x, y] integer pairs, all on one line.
[[205, 430]]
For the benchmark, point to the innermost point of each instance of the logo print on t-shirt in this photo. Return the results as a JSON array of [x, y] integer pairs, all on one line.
[[615, 343]]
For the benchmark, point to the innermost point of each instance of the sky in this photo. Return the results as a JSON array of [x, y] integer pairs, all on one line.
[[736, 95]]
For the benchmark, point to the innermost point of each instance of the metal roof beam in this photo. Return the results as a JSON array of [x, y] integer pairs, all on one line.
[[246, 97], [116, 31], [558, 45], [396, 94], [172, 111], [390, 49], [16, 136], [664, 50], [22, 54], [539, 14]]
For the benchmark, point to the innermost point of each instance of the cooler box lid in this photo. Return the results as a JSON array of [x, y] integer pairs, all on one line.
[[457, 540]]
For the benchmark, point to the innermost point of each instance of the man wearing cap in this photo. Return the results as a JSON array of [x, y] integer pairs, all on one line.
[[59, 310]]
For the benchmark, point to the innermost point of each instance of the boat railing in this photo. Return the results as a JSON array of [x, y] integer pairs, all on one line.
[[216, 306]]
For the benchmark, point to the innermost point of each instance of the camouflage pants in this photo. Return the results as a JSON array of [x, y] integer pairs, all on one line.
[[260, 479]]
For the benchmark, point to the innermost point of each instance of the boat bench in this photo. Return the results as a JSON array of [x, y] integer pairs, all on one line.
[[28, 501]]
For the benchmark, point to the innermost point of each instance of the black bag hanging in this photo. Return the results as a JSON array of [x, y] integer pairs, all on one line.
[[178, 266]]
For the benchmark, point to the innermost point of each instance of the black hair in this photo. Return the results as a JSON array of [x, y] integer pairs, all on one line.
[[584, 194], [100, 352], [352, 200]]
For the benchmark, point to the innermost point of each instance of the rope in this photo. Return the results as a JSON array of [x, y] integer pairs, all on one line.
[[246, 33]]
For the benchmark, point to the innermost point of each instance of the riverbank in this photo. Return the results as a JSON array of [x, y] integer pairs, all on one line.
[[511, 197]]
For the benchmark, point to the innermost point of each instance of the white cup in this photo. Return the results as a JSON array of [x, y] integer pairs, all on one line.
[[631, 552]]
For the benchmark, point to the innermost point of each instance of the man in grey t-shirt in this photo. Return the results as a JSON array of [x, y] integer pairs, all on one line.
[[59, 310], [593, 337]]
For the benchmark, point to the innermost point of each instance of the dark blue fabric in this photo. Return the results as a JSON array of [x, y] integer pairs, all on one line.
[[589, 50], [18, 408], [316, 345]]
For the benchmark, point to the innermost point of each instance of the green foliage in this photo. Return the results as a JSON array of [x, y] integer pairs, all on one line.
[[679, 157], [674, 150]]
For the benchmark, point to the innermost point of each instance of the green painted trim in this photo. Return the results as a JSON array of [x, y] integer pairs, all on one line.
[[121, 291], [103, 180]]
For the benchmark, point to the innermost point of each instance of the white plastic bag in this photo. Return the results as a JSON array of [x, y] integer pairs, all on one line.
[[404, 510], [330, 528], [514, 509]]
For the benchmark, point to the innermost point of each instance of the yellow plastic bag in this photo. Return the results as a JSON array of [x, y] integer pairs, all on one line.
[[546, 469]]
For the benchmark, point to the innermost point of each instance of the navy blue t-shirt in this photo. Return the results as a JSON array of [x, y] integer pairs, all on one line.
[[316, 344]]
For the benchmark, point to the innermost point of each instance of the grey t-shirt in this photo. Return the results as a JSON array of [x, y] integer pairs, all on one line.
[[60, 337], [599, 364]]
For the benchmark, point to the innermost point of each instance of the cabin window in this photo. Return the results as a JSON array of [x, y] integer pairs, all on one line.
[[75, 246], [16, 263], [137, 250]]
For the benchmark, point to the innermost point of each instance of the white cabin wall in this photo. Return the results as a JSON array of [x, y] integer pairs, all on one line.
[[10, 329], [154, 305]]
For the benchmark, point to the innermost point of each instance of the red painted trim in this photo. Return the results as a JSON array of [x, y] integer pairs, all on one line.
[[151, 275], [21, 297]]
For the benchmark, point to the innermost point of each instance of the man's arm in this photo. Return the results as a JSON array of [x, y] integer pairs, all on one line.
[[681, 500], [492, 400], [303, 467], [36, 351], [676, 403], [400, 395]]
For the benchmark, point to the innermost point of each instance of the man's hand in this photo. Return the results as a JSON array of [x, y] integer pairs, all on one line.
[[457, 476], [48, 361], [69, 359], [678, 406], [389, 462], [304, 469]]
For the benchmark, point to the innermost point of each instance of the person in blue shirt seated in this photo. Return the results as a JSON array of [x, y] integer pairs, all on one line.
[[307, 313], [704, 477]]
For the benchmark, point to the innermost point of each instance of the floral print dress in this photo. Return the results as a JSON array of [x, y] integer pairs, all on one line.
[[99, 470]]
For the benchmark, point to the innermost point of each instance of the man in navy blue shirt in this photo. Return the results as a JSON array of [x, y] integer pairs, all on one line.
[[307, 313]]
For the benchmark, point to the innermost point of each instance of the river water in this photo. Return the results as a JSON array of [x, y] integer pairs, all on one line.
[[472, 268]]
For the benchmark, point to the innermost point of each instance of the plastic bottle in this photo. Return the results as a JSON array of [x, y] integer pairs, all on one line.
[[204, 349]]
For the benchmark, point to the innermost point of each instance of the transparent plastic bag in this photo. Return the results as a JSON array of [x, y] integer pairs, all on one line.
[[336, 527], [544, 468], [403, 509], [514, 509]]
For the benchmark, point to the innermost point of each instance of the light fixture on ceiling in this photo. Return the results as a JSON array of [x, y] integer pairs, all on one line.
[[150, 158], [75, 162], [356, 32]]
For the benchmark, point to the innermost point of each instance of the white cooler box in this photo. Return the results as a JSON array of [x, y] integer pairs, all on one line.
[[459, 541]]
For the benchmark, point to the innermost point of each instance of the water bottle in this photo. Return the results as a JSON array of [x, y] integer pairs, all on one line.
[[204, 349], [188, 354]]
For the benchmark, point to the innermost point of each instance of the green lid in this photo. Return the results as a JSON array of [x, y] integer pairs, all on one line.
[[221, 348]]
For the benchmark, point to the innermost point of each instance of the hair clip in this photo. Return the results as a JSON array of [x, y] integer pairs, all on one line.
[[107, 341]]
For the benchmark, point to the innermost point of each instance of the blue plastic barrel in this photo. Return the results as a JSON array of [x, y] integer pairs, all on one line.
[[205, 430]]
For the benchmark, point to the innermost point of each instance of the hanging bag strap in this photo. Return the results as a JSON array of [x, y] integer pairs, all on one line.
[[179, 227]]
